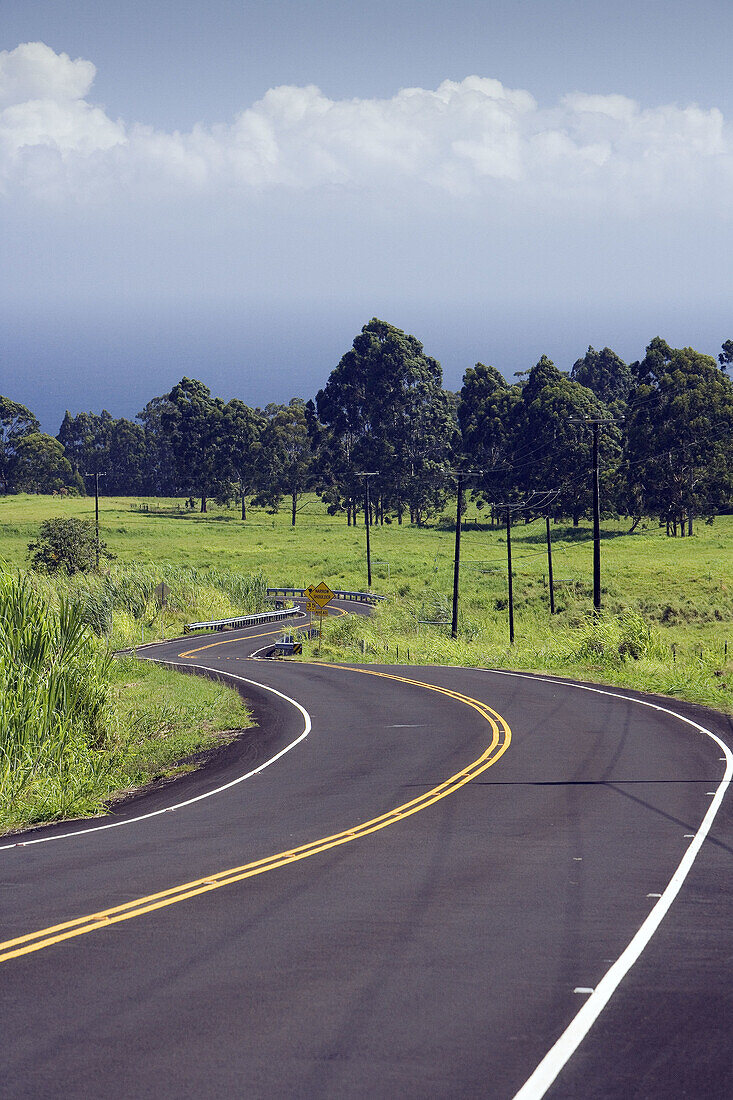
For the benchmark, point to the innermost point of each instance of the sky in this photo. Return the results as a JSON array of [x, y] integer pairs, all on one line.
[[229, 191]]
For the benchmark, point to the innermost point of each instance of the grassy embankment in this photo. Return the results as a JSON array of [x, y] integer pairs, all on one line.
[[78, 727], [668, 602]]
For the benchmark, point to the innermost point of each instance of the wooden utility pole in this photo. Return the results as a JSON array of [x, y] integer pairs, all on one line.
[[367, 520], [549, 566], [509, 574], [457, 558], [595, 424]]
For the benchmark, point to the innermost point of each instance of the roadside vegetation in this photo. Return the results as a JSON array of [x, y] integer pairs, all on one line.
[[79, 727], [232, 498], [677, 594], [622, 648], [71, 742]]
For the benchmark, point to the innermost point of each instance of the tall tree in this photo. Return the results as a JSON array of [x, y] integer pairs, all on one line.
[[192, 421], [487, 414], [552, 450], [286, 466], [726, 354], [40, 465], [85, 439], [128, 466], [16, 422], [161, 473], [387, 410], [241, 428], [678, 455], [606, 374]]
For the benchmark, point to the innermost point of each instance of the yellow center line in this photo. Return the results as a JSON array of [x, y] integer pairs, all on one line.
[[79, 926]]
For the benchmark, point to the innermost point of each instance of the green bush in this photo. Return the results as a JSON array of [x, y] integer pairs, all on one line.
[[66, 545]]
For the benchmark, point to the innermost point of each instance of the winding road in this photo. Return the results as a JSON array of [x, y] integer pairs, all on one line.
[[405, 882]]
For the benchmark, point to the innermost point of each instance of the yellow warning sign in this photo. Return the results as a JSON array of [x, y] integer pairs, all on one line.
[[316, 609], [320, 595]]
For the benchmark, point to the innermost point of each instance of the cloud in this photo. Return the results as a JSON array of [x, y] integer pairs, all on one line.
[[466, 138], [33, 71], [44, 116]]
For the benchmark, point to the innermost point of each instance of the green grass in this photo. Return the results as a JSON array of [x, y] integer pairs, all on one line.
[[162, 717], [621, 649], [76, 726], [681, 588]]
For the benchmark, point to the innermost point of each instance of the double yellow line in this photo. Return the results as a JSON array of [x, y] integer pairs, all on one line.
[[79, 926]]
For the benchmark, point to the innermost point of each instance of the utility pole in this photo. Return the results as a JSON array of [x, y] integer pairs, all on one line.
[[457, 558], [549, 566], [595, 424], [596, 524], [96, 513], [544, 498], [96, 475], [367, 521], [509, 572]]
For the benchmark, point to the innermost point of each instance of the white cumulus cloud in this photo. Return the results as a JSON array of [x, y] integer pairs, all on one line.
[[463, 138], [43, 108]]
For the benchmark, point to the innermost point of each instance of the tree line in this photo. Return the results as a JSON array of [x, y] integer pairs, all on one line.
[[665, 442]]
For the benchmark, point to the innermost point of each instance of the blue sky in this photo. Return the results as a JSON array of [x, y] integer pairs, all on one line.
[[231, 190]]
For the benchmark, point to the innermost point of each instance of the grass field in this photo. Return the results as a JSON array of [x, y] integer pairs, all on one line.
[[680, 591]]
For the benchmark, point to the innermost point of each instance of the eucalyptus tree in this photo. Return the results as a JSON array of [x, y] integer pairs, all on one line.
[[16, 422], [487, 414], [130, 471], [552, 448], [161, 472], [678, 455], [192, 422], [85, 438], [286, 459], [40, 464], [605, 373], [387, 411], [241, 431]]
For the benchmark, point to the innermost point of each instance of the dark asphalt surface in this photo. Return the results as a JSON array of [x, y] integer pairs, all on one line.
[[436, 957]]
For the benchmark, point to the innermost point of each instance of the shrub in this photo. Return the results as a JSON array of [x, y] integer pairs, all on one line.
[[66, 545]]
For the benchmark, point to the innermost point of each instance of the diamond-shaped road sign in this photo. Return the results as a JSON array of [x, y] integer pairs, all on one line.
[[321, 594]]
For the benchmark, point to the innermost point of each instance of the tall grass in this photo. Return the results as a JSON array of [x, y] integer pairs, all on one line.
[[621, 648], [76, 726], [120, 604], [53, 704]]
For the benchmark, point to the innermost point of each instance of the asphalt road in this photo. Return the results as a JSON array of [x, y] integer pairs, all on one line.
[[417, 897]]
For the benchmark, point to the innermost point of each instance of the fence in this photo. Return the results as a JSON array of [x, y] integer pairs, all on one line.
[[244, 620], [363, 597]]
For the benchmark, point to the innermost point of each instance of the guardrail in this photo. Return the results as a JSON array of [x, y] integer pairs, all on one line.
[[244, 620], [364, 597]]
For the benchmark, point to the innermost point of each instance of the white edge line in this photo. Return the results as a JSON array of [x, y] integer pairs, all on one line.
[[189, 801], [563, 1049], [565, 1046]]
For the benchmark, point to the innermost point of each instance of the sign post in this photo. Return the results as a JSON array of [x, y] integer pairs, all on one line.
[[161, 593], [318, 597]]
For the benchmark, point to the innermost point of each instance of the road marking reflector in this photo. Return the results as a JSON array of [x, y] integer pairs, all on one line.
[[584, 989]]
